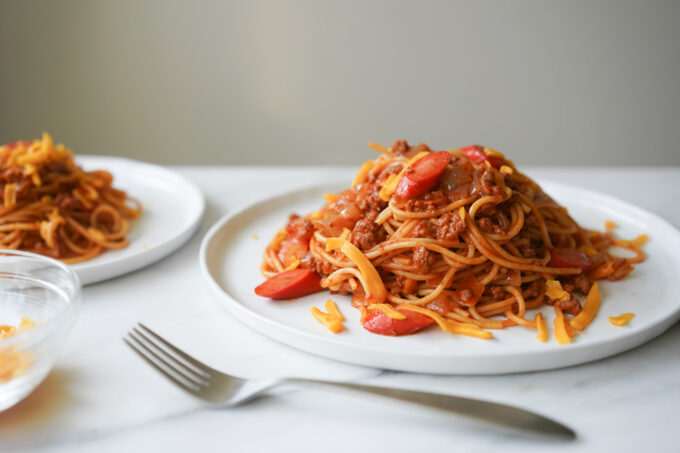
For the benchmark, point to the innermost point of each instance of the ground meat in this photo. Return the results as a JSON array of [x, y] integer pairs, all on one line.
[[424, 230], [450, 226], [299, 227], [498, 293], [428, 202], [366, 234], [529, 252], [423, 259], [488, 226], [11, 175], [582, 284], [534, 289], [622, 267], [321, 267], [485, 183], [571, 306], [369, 201], [400, 147]]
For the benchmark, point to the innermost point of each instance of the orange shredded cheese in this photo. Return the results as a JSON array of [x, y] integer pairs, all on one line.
[[332, 319], [380, 148], [589, 251], [293, 265], [386, 190], [363, 172], [506, 170], [589, 310], [317, 215], [542, 328], [448, 325], [375, 289], [622, 319], [330, 197], [610, 225], [10, 194], [561, 335], [14, 363], [555, 291], [470, 330], [388, 309]]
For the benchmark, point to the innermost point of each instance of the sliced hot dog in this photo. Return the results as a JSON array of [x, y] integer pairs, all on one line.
[[377, 321], [567, 257], [290, 284], [423, 175], [477, 155]]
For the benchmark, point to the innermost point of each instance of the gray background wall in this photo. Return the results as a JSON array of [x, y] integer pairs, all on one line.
[[288, 82]]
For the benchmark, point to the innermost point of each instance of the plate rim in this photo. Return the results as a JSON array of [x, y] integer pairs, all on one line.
[[277, 330]]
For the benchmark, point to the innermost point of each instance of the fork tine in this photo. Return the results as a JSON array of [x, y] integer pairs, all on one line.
[[200, 366], [170, 360], [183, 385]]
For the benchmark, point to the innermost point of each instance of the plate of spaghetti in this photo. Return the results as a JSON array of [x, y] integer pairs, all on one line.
[[104, 216], [450, 262]]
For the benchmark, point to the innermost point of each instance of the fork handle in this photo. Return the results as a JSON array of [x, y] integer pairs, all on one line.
[[496, 413]]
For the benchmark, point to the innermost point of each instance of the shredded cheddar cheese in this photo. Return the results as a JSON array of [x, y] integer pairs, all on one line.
[[448, 325], [388, 310], [332, 319], [293, 265], [506, 170], [317, 215], [589, 251], [561, 334], [555, 291], [542, 328], [388, 187], [610, 225], [589, 310], [363, 172], [14, 363], [10, 195], [380, 148], [330, 197], [375, 289], [622, 319]]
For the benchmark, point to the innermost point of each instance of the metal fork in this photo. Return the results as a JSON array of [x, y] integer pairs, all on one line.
[[222, 389]]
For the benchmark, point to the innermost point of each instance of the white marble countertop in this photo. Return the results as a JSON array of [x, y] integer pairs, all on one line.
[[101, 397]]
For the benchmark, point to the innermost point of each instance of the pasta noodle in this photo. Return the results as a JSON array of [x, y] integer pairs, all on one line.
[[458, 238], [53, 207]]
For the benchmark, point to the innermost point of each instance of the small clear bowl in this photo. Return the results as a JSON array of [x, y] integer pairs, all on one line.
[[46, 292]]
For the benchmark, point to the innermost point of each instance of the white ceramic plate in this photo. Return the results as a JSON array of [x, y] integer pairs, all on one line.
[[172, 208], [230, 259]]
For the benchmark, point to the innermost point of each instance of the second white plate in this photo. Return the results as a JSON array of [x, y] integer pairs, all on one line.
[[172, 207], [231, 256]]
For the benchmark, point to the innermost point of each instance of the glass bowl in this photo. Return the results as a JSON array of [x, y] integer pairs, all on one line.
[[39, 298]]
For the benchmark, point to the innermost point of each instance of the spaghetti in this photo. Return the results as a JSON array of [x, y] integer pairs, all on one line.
[[459, 238], [53, 207]]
